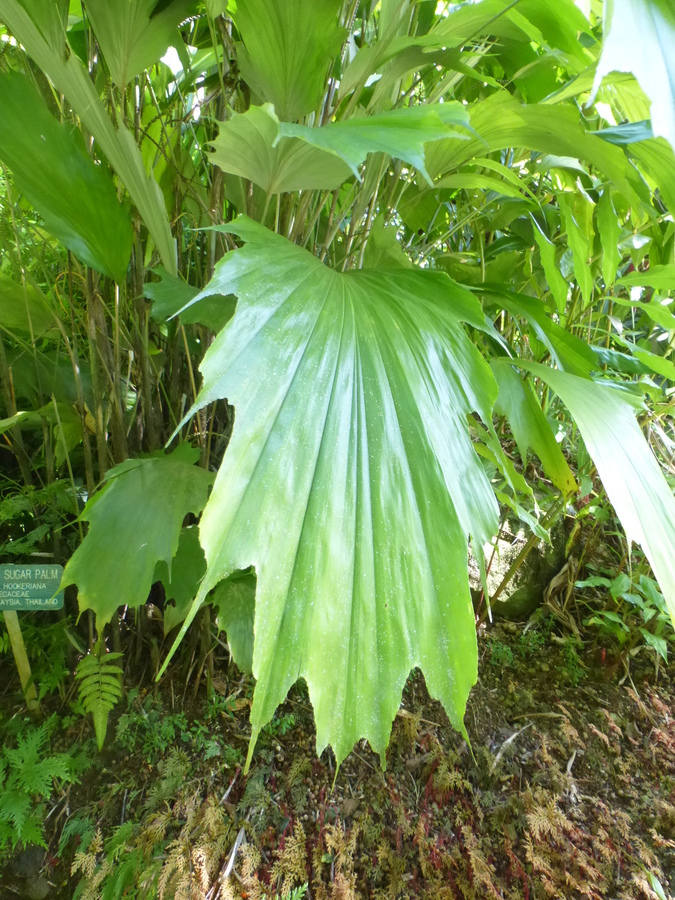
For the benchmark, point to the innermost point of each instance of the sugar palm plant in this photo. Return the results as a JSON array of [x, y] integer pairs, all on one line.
[[339, 239]]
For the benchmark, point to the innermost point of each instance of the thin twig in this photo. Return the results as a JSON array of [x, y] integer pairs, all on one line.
[[507, 743]]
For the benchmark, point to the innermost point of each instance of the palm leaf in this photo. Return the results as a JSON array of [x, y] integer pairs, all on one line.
[[134, 522], [68, 74], [629, 471], [286, 51], [350, 483]]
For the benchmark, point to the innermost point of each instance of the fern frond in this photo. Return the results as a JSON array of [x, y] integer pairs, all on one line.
[[291, 864], [100, 688], [32, 831], [80, 826], [28, 749], [26, 768], [39, 779], [15, 809], [86, 860]]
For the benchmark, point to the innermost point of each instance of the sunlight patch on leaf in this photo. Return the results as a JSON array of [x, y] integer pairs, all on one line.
[[650, 58]]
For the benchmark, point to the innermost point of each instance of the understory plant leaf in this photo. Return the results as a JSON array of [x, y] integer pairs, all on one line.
[[556, 282], [384, 250], [528, 20], [100, 688], [401, 133], [609, 230], [65, 69], [133, 34], [570, 353], [51, 18], [23, 309], [629, 471], [250, 145], [287, 48], [577, 214], [234, 600], [501, 122], [661, 278], [50, 164], [171, 294], [529, 426], [350, 483], [134, 522], [657, 159], [182, 581], [559, 23]]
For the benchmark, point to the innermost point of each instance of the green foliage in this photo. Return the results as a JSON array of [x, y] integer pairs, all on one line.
[[30, 515], [234, 602], [501, 122], [635, 615], [147, 727], [574, 670], [100, 688], [287, 49], [631, 475], [50, 647], [649, 59], [281, 724], [530, 644], [113, 869], [171, 294], [28, 772], [24, 310], [381, 212], [518, 402], [128, 536], [251, 145], [64, 67], [257, 797], [403, 134], [351, 365], [78, 828], [135, 34], [501, 655], [181, 583], [75, 197], [297, 893]]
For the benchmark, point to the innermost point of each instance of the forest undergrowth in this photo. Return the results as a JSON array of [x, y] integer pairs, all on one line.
[[567, 790]]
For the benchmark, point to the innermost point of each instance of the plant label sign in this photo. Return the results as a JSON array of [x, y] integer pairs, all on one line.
[[31, 587]]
